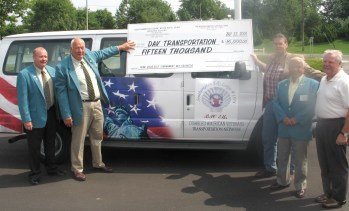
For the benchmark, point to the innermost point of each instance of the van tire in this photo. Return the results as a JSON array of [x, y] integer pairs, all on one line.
[[255, 146], [62, 144]]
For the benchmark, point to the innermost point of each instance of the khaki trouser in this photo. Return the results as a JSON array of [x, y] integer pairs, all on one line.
[[300, 148], [91, 124]]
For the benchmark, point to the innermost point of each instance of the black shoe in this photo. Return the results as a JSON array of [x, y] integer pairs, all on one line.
[[265, 174], [332, 203], [104, 169], [277, 186], [34, 181], [57, 172], [321, 199]]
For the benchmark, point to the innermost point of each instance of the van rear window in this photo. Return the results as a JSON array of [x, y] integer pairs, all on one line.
[[20, 53], [115, 65]]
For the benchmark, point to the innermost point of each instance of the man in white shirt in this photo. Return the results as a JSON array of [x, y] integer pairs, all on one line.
[[332, 111]]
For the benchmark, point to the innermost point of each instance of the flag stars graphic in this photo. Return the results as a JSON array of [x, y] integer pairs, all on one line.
[[120, 95], [110, 109], [152, 103], [108, 83], [134, 108], [132, 87]]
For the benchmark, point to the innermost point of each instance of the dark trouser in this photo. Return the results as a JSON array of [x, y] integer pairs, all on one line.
[[34, 138], [332, 158], [269, 137]]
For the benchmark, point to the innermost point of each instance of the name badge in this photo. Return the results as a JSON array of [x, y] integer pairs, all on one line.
[[303, 98]]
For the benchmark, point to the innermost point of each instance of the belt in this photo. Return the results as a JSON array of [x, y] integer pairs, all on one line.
[[95, 100], [331, 119]]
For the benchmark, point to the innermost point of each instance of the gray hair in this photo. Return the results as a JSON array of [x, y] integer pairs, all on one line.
[[337, 53], [298, 58], [74, 39], [38, 48]]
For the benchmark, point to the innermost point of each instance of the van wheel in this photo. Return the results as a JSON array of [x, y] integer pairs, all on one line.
[[62, 144], [255, 146]]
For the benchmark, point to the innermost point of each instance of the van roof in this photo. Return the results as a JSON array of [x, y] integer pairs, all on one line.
[[68, 33]]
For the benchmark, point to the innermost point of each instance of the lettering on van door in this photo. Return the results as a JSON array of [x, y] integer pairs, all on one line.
[[219, 126], [216, 99]]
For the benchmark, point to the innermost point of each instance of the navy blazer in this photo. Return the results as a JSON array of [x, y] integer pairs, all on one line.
[[31, 97], [301, 108], [68, 85]]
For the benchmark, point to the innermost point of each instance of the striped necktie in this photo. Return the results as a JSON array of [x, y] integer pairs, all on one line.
[[90, 90], [46, 88]]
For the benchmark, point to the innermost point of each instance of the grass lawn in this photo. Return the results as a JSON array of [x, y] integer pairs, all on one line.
[[312, 56], [318, 48]]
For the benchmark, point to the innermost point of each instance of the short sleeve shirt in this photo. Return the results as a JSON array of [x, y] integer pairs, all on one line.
[[333, 97]]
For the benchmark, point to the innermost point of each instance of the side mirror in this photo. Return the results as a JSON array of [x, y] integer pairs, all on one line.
[[240, 71]]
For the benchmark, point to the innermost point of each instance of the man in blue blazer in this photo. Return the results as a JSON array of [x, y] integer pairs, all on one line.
[[38, 113], [294, 106], [80, 91]]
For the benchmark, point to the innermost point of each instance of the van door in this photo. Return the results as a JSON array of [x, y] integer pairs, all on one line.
[[158, 99], [220, 106]]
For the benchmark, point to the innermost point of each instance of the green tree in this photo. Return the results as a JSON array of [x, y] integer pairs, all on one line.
[[332, 9], [335, 14], [143, 11], [342, 25], [80, 19], [250, 9], [105, 19], [202, 10], [10, 11], [52, 15], [122, 15], [312, 20], [280, 16], [100, 19]]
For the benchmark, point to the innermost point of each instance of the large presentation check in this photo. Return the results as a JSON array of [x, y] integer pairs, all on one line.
[[191, 46]]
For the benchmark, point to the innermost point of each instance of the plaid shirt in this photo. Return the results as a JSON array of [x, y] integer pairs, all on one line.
[[272, 78]]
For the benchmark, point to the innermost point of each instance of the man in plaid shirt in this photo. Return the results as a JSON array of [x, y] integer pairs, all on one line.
[[274, 71]]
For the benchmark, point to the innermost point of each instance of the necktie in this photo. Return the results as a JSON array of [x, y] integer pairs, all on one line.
[[46, 88], [90, 90]]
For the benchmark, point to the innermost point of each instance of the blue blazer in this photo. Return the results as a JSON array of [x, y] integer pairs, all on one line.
[[301, 108], [68, 85], [31, 97]]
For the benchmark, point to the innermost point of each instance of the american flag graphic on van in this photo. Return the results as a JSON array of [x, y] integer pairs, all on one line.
[[132, 112], [10, 121]]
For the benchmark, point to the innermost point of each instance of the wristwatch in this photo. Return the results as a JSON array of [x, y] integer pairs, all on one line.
[[344, 134]]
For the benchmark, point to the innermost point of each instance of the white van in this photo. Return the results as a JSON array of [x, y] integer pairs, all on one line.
[[148, 110]]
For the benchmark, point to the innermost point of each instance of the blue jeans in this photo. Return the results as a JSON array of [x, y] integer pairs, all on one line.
[[269, 137]]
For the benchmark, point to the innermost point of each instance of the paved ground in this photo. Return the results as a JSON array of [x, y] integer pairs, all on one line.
[[148, 179]]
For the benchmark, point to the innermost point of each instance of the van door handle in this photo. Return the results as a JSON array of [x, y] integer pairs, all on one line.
[[190, 101], [136, 99]]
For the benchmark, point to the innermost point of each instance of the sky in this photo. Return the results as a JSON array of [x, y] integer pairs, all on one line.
[[112, 5]]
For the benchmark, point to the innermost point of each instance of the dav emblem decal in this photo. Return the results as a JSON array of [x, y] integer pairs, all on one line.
[[217, 95]]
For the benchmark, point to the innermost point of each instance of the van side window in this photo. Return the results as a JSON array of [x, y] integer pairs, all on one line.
[[20, 54], [241, 75], [154, 75], [218, 74], [115, 65]]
